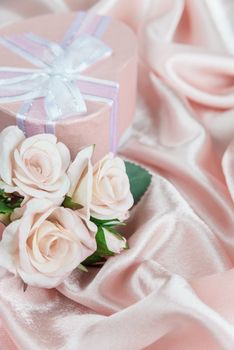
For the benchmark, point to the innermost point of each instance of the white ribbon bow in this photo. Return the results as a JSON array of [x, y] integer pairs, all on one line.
[[56, 78]]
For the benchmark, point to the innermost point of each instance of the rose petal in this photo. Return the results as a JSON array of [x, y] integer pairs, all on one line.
[[80, 174], [10, 138]]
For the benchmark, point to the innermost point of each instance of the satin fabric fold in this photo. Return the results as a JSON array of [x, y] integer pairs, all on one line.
[[174, 288]]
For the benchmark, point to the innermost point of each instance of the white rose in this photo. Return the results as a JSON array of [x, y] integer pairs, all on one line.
[[102, 190], [36, 165], [46, 244], [111, 197]]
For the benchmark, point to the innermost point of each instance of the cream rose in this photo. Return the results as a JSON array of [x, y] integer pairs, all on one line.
[[103, 190], [114, 243], [111, 196], [46, 244], [36, 165]]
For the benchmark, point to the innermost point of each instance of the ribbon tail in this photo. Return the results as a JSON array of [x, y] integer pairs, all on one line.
[[22, 88], [13, 75], [63, 99]]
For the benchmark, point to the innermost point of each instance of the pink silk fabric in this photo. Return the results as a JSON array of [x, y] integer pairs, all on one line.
[[174, 289]]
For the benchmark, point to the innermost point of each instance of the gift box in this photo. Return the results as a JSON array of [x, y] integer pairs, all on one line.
[[73, 75]]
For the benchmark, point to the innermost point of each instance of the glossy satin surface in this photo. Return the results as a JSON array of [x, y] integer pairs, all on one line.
[[174, 289]]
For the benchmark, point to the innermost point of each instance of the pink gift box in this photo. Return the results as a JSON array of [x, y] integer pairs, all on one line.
[[96, 126]]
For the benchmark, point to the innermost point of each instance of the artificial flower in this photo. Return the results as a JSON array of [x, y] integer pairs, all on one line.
[[115, 243], [111, 195], [46, 244], [103, 190], [36, 165]]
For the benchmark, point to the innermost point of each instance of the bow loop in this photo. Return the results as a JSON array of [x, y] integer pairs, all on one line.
[[18, 85], [84, 52]]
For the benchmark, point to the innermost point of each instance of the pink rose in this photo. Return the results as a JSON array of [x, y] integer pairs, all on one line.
[[103, 190], [36, 165], [111, 197], [46, 244], [114, 243]]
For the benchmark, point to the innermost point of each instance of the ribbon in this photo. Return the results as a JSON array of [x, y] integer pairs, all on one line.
[[58, 85]]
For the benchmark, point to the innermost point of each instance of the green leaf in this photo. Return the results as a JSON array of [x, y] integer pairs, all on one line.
[[103, 223], [9, 201], [139, 179], [4, 209], [94, 259], [102, 249], [68, 203]]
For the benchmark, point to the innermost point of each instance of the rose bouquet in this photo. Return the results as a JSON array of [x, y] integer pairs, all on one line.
[[59, 214]]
